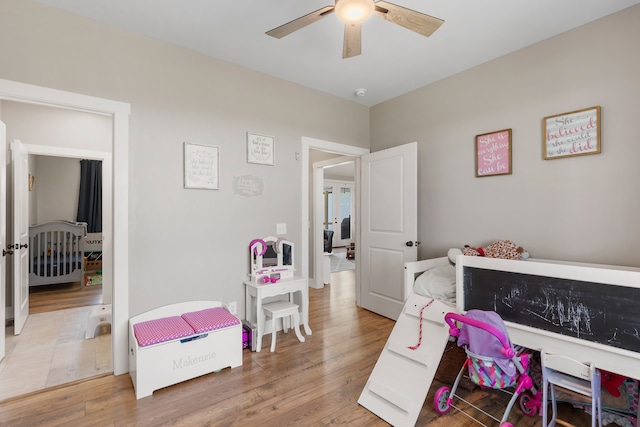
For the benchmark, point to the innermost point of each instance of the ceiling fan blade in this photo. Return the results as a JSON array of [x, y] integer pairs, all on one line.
[[352, 40], [303, 21], [407, 18]]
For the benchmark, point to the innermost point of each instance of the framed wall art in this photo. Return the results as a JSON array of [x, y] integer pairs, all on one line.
[[201, 163], [260, 149], [493, 153], [571, 134]]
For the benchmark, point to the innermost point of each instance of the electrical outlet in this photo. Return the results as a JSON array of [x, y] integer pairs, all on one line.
[[233, 307], [281, 228]]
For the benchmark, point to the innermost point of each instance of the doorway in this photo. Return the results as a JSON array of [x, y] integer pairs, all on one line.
[[58, 314], [312, 184], [338, 207], [115, 208]]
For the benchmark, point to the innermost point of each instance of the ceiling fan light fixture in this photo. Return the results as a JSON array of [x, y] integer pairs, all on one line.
[[354, 11]]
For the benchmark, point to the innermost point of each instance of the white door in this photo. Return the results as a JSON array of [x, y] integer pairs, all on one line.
[[20, 177], [3, 231], [389, 227]]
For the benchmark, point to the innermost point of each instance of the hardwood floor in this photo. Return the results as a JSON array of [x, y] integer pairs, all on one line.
[[65, 295], [315, 383]]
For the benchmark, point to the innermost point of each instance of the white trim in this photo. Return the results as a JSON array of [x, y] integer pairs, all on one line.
[[347, 150], [118, 215]]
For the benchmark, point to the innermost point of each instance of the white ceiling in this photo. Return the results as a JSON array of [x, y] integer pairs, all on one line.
[[394, 60]]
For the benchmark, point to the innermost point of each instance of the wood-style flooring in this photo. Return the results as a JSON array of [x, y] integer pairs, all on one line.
[[48, 298], [315, 383]]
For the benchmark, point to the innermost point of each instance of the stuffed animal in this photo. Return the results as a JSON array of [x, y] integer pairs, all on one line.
[[611, 382], [505, 249], [501, 249]]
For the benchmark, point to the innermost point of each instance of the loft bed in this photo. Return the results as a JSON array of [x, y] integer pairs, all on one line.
[[56, 252]]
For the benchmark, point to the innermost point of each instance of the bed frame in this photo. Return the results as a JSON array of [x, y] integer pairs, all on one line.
[[618, 282], [56, 252], [401, 378], [170, 362]]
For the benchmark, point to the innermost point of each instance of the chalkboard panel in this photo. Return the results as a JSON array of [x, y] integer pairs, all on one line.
[[597, 312]]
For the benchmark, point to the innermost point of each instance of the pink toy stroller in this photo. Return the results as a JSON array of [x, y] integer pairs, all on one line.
[[494, 364]]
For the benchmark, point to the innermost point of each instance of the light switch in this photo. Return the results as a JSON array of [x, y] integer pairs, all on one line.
[[281, 228]]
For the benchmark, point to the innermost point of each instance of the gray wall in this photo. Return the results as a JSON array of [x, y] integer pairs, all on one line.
[[583, 208], [184, 244]]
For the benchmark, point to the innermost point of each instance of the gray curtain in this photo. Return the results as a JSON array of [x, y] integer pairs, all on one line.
[[90, 198]]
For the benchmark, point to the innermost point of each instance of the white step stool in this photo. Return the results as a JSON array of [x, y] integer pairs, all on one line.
[[281, 309], [99, 314]]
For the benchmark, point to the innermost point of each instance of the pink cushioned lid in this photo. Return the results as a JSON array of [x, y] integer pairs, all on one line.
[[161, 330], [210, 319]]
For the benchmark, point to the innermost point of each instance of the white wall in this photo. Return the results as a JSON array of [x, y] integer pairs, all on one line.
[[57, 180], [57, 186], [184, 244], [583, 208]]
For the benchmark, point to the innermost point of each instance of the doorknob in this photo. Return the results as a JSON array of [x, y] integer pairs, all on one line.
[[18, 246], [409, 243], [6, 252]]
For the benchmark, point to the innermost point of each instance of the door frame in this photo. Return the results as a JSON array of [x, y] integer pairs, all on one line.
[[310, 225], [115, 245]]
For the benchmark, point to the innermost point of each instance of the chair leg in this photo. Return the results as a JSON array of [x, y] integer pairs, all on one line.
[[554, 407], [296, 326], [545, 402], [273, 335]]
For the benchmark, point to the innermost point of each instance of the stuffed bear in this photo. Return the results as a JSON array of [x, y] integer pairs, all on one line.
[[505, 249]]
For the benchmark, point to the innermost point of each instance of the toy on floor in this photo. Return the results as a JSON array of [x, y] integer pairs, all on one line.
[[492, 362], [612, 382]]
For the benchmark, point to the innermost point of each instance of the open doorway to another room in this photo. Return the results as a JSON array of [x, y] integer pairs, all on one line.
[[334, 189], [59, 311], [338, 215]]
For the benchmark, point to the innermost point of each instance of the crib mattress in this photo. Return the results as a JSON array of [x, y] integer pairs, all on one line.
[[56, 265]]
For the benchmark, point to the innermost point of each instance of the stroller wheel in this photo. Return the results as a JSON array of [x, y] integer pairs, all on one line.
[[527, 404], [440, 400]]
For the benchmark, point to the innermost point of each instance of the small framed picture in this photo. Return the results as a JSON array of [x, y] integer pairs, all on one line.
[[493, 153], [571, 134], [260, 149], [201, 166]]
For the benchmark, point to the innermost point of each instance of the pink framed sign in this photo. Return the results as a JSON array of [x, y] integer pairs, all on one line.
[[493, 153]]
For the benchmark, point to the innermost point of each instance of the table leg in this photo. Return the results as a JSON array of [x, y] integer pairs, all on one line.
[[305, 310], [259, 322]]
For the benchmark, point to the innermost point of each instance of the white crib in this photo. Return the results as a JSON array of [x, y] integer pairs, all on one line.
[[56, 252]]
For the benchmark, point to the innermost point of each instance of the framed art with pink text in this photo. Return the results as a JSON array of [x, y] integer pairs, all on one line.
[[493, 153], [571, 134]]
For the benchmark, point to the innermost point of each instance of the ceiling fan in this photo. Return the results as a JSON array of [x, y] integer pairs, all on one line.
[[354, 12]]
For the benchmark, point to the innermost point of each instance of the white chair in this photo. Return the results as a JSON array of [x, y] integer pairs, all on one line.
[[282, 310], [572, 375]]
